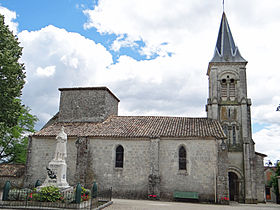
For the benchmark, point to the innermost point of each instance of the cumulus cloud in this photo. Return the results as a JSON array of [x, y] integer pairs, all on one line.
[[10, 16], [154, 22], [267, 141], [56, 58], [165, 85], [45, 72]]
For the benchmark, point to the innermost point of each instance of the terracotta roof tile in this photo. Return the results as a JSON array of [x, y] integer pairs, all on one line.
[[140, 126]]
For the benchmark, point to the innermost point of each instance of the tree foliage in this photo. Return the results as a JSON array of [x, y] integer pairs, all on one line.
[[15, 119], [274, 181], [11, 76], [13, 144]]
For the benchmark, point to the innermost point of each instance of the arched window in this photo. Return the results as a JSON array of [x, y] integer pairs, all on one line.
[[228, 88], [119, 157], [182, 158]]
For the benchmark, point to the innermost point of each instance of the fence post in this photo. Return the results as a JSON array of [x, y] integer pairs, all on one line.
[[78, 193], [94, 190], [6, 190], [38, 183]]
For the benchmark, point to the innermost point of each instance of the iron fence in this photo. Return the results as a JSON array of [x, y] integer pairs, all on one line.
[[34, 199]]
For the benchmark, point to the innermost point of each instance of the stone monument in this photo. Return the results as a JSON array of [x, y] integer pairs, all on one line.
[[56, 170]]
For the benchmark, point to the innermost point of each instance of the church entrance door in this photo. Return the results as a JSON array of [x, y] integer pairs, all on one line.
[[233, 186]]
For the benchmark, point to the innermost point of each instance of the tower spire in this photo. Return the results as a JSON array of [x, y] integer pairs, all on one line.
[[226, 50]]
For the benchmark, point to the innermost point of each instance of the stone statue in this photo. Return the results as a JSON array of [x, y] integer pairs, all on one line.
[[61, 141], [56, 171]]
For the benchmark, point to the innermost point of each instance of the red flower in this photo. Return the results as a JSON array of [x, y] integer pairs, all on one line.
[[225, 198]]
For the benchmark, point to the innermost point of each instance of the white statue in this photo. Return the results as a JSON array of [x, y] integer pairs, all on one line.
[[56, 170], [61, 141]]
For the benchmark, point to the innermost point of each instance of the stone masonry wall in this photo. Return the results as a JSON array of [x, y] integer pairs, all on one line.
[[260, 181], [86, 105], [84, 172], [91, 159], [222, 174], [201, 166], [41, 152], [111, 107], [131, 181]]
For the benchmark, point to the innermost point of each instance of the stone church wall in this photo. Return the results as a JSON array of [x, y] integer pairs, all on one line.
[[260, 181], [131, 181], [236, 161], [201, 168], [41, 152]]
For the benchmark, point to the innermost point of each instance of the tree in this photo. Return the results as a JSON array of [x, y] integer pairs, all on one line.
[[274, 181], [13, 145], [11, 76], [15, 119]]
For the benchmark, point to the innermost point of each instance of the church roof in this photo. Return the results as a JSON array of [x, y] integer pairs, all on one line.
[[139, 127], [226, 50]]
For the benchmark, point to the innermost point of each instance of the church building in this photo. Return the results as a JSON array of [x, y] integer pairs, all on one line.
[[140, 156]]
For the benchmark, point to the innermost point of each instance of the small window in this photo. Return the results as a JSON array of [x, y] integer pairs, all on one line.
[[233, 135], [182, 158], [119, 157]]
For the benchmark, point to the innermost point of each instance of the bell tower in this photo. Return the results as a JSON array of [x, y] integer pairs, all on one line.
[[228, 103]]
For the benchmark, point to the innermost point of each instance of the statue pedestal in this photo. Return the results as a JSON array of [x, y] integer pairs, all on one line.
[[56, 175]]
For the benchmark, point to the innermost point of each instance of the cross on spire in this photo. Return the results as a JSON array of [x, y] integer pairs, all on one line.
[[223, 5]]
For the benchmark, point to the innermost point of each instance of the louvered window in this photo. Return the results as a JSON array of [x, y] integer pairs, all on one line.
[[232, 88], [224, 88]]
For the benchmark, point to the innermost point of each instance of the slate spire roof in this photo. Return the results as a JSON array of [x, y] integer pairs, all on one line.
[[226, 50]]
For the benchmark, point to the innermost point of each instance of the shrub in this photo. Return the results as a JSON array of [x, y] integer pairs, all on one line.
[[48, 194]]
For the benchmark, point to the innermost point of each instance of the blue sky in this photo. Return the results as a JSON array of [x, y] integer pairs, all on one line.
[[152, 54], [68, 14]]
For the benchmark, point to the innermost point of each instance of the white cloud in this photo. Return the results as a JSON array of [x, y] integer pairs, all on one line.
[[10, 16], [155, 22], [45, 72], [56, 58], [268, 141]]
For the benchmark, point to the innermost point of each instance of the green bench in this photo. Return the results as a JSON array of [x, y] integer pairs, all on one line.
[[177, 195]]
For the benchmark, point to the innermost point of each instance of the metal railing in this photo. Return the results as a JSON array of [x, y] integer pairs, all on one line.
[[27, 198]]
